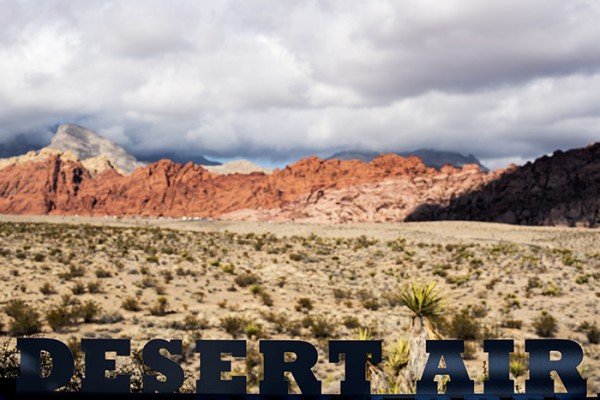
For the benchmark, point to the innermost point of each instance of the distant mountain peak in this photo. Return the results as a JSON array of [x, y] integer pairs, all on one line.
[[86, 144], [431, 158]]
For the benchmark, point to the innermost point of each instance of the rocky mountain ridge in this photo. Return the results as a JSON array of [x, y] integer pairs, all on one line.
[[62, 186], [562, 189]]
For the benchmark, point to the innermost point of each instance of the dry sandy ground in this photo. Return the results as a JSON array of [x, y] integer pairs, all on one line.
[[255, 274]]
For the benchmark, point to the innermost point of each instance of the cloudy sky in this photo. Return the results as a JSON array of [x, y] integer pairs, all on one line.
[[275, 80]]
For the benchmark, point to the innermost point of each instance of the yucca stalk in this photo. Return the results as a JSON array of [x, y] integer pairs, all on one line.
[[426, 303]]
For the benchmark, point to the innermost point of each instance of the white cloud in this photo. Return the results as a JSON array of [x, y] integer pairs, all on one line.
[[277, 79]]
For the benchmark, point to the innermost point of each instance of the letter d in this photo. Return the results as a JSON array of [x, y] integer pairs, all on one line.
[[30, 379]]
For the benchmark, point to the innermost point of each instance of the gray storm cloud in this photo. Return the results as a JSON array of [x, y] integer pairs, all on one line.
[[506, 80]]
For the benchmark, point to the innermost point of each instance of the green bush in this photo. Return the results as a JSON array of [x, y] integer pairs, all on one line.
[[89, 311], [47, 289], [322, 328], [25, 319], [59, 317], [131, 304], [545, 325], [304, 304], [246, 279], [160, 308], [233, 325], [464, 326]]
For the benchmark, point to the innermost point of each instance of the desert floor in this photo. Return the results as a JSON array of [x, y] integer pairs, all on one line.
[[145, 278]]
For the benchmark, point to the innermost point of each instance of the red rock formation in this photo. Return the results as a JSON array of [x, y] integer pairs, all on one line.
[[389, 188]]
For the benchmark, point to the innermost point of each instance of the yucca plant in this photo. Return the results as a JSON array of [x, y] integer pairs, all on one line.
[[364, 334], [424, 300], [397, 355]]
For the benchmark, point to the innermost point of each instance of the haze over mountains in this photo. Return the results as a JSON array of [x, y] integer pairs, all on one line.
[[89, 176]]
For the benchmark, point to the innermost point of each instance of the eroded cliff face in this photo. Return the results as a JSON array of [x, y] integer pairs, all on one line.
[[562, 189]]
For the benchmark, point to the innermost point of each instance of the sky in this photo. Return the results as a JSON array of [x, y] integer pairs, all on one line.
[[276, 80]]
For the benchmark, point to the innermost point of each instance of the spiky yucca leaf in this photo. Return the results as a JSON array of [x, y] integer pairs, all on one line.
[[397, 355], [424, 300], [364, 334]]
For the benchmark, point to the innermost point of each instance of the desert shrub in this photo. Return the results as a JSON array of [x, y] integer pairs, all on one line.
[[256, 289], [533, 282], [228, 268], [593, 334], [253, 329], [304, 304], [89, 311], [233, 325], [102, 273], [94, 287], [39, 257], [545, 325], [457, 280], [371, 304], [266, 299], [152, 259], [322, 328], [110, 318], [47, 289], [351, 322], [73, 272], [60, 316], [131, 304], [591, 331], [512, 323], [246, 279], [362, 242], [160, 308], [78, 288], [491, 283], [9, 360], [167, 275], [551, 290], [297, 256], [146, 282], [464, 326], [189, 323], [341, 294], [25, 319]]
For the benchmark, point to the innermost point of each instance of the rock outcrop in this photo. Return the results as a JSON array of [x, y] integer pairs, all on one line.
[[562, 189], [60, 185], [86, 144]]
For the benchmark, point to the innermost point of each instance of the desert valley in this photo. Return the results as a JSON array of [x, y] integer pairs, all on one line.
[[96, 244]]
